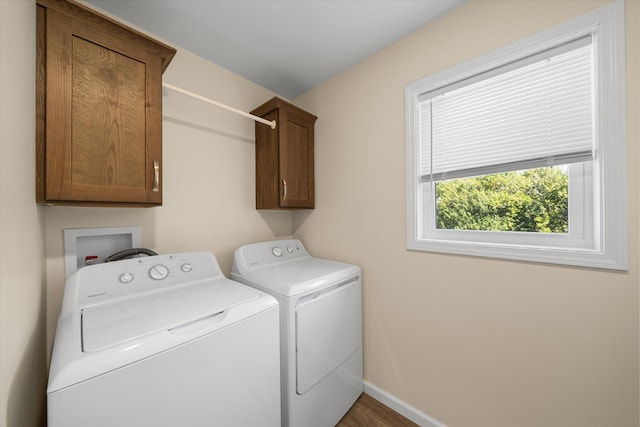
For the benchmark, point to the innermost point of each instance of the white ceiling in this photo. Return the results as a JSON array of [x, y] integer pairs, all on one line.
[[287, 46]]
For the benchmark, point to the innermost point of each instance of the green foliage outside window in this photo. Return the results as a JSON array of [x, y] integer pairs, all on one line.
[[535, 200]]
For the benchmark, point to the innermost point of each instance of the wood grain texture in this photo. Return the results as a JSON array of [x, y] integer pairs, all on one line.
[[126, 39], [296, 154], [368, 412], [108, 122], [267, 174], [99, 109], [41, 110], [284, 157]]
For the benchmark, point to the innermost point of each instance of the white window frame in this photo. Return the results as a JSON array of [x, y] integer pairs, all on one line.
[[601, 240]]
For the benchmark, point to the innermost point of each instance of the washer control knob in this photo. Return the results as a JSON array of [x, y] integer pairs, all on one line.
[[186, 267], [126, 278], [290, 249], [276, 251], [158, 272]]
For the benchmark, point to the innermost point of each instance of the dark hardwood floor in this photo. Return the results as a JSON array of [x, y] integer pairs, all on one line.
[[368, 412]]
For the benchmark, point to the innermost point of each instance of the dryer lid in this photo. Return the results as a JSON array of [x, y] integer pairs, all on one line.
[[104, 325], [297, 277]]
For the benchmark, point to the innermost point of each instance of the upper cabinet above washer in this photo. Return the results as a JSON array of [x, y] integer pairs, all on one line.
[[284, 157], [98, 109]]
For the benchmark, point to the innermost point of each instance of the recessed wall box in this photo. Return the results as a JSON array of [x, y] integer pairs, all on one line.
[[84, 246]]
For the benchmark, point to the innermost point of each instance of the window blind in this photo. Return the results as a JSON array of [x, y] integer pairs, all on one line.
[[534, 112]]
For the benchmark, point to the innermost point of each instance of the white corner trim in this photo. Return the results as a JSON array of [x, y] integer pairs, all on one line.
[[401, 407]]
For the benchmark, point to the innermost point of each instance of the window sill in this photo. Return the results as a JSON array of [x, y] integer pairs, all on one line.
[[539, 254]]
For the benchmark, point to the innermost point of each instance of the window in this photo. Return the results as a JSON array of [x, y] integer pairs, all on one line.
[[521, 153]]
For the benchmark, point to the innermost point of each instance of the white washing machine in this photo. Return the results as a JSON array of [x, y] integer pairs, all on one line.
[[321, 327], [164, 341]]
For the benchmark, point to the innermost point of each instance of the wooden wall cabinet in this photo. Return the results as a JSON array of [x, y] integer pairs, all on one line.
[[284, 157], [98, 109]]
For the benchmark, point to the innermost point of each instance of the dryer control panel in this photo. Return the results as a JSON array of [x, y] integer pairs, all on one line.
[[273, 252]]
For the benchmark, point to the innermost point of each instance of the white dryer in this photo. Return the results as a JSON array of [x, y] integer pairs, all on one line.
[[321, 327], [164, 341]]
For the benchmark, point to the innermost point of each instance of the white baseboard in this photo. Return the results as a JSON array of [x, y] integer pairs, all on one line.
[[401, 407]]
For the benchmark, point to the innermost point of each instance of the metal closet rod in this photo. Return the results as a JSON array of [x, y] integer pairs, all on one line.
[[218, 104]]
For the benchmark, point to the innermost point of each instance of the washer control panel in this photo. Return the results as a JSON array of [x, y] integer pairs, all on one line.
[[266, 253], [103, 282]]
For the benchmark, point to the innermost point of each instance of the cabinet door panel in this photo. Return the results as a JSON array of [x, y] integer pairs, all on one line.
[[108, 123], [296, 160]]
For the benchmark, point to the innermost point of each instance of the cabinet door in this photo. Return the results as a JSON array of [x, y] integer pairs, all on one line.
[[103, 116], [296, 159]]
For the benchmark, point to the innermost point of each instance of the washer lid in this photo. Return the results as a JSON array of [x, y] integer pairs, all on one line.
[[104, 325], [299, 276]]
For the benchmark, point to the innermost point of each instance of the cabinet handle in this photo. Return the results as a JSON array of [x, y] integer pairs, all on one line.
[[156, 175], [284, 189]]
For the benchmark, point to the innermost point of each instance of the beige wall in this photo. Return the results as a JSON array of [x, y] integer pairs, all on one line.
[[469, 341], [22, 304]]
